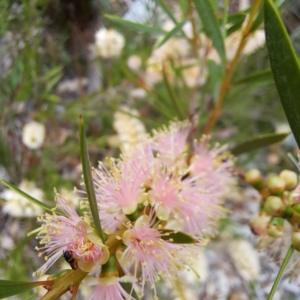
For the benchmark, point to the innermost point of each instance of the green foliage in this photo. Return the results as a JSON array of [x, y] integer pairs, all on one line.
[[258, 142], [284, 65]]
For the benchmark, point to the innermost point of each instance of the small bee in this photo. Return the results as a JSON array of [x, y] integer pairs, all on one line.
[[68, 256]]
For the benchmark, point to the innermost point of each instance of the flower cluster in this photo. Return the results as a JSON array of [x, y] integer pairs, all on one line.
[[156, 204]]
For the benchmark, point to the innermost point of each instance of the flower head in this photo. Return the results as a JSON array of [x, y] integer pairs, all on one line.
[[69, 232], [108, 43], [33, 135], [147, 249], [108, 288]]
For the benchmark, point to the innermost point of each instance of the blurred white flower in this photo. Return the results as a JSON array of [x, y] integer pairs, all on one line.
[[108, 43], [6, 242], [138, 93], [255, 41], [17, 206], [134, 62], [130, 129], [33, 135], [245, 258]]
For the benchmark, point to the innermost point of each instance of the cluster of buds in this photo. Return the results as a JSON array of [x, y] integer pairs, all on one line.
[[280, 203], [155, 205]]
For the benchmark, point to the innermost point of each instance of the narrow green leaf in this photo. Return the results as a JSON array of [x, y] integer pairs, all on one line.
[[88, 179], [26, 196], [177, 237], [280, 272], [166, 9], [173, 97], [134, 26], [258, 142], [170, 34], [211, 25], [52, 73], [284, 66], [10, 288], [215, 75], [237, 18], [255, 77]]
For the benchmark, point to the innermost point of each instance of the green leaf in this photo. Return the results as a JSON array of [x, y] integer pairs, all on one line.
[[177, 237], [284, 66], [173, 97], [258, 142], [280, 272], [257, 77], [166, 9], [134, 26], [211, 25], [10, 288], [170, 34], [127, 286], [215, 75], [88, 179], [26, 196]]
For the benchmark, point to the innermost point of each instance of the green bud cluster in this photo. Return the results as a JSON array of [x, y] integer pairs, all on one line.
[[280, 203]]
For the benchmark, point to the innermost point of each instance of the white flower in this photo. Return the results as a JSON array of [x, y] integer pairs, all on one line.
[[131, 130], [33, 135], [134, 62], [6, 242], [138, 93], [108, 43], [245, 258], [17, 206]]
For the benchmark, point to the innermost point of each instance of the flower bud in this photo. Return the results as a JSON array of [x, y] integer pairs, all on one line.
[[275, 227], [276, 184], [296, 240], [295, 195], [274, 206], [290, 178], [254, 178], [259, 224]]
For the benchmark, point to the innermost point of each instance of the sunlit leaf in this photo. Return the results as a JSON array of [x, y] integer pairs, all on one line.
[[258, 142], [284, 66], [177, 237], [211, 25], [134, 26]]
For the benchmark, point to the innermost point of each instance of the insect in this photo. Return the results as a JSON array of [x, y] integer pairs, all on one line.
[[68, 256]]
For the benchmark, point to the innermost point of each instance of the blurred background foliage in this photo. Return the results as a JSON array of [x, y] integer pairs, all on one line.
[[51, 73]]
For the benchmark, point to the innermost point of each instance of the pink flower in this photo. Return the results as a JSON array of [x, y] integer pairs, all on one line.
[[120, 189], [214, 165], [147, 250], [69, 233], [171, 143], [109, 288]]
